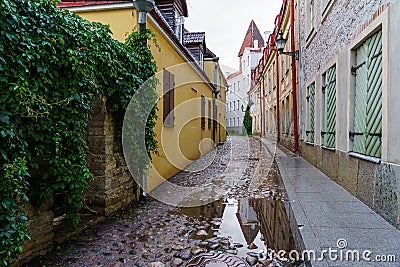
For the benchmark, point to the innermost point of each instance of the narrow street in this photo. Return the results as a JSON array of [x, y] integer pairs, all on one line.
[[234, 230]]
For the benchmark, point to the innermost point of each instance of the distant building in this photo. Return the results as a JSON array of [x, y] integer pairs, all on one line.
[[239, 82]]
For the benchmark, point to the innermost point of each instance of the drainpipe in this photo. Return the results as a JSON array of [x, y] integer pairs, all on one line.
[[278, 120], [143, 7], [294, 78], [262, 104], [215, 93]]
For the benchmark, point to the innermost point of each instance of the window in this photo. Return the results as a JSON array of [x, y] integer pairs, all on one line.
[[201, 60], [209, 114], [310, 16], [238, 121], [329, 95], [273, 75], [168, 98], [234, 87], [367, 133], [203, 112], [238, 85], [310, 114], [283, 67], [287, 116], [238, 105]]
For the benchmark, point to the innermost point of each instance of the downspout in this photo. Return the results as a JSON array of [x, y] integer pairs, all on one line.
[[215, 93], [278, 120], [261, 104], [294, 78]]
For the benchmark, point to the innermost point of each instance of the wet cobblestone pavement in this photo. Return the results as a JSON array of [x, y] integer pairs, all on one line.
[[232, 229]]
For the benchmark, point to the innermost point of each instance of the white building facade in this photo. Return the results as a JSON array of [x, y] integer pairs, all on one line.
[[239, 83]]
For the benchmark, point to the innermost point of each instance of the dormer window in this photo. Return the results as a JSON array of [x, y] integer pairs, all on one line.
[[179, 24]]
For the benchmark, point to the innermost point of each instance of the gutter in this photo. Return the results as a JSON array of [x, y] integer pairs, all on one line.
[[159, 23]]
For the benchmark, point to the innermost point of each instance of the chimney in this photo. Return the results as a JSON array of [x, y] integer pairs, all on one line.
[[266, 35]]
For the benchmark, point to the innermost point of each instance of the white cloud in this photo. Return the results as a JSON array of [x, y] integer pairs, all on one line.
[[226, 21]]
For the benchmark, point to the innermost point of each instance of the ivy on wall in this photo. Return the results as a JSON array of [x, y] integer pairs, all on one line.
[[52, 65]]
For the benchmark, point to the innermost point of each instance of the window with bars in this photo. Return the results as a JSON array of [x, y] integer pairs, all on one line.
[[168, 98], [203, 112], [329, 96], [367, 133], [311, 113]]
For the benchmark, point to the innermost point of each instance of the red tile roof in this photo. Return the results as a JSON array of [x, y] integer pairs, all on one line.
[[253, 33], [233, 75], [78, 3]]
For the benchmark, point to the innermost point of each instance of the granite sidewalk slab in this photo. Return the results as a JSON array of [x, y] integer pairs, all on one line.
[[325, 218]]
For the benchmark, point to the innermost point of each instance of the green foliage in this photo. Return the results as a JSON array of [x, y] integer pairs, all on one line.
[[247, 122], [52, 65]]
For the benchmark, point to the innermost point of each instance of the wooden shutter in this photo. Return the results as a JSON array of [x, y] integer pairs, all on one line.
[[329, 134], [374, 96], [168, 98], [368, 99], [203, 112], [311, 113], [209, 114]]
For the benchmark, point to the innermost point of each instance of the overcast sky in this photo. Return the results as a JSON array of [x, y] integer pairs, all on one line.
[[226, 21]]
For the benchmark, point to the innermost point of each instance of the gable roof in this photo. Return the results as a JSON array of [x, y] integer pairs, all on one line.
[[253, 33], [233, 75]]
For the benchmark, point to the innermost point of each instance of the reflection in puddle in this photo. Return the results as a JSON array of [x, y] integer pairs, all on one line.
[[243, 227]]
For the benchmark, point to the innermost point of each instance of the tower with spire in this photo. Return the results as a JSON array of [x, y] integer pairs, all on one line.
[[239, 82]]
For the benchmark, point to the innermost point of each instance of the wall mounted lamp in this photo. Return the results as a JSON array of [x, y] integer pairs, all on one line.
[[280, 43]]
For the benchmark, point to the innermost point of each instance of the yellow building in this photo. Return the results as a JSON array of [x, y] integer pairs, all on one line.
[[189, 133]]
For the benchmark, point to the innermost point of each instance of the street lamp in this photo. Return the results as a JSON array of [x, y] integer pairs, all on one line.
[[280, 43], [143, 7]]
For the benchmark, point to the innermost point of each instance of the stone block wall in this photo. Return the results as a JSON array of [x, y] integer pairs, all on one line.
[[113, 187], [41, 229], [111, 190], [377, 185]]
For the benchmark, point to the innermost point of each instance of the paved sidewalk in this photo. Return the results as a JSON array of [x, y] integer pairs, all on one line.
[[324, 215]]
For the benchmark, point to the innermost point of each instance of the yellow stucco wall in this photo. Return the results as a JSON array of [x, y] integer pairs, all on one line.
[[185, 141], [209, 68]]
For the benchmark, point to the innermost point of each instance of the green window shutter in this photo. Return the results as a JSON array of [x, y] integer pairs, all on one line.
[[374, 96], [360, 118], [330, 108], [311, 113], [368, 98]]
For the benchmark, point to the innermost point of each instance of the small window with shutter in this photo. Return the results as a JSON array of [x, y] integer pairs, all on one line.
[[168, 98], [203, 112], [209, 114]]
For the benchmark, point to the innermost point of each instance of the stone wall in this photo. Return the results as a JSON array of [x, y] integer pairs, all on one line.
[[111, 190], [113, 187], [377, 185], [333, 34], [41, 229]]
